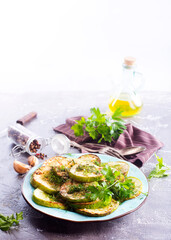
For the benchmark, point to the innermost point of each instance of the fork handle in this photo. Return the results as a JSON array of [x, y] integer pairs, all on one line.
[[113, 153], [74, 144]]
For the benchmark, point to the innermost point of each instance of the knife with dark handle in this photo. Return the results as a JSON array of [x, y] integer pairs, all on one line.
[[27, 118], [23, 121]]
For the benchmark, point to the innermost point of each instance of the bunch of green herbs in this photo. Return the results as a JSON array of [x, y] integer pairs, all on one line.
[[100, 126]]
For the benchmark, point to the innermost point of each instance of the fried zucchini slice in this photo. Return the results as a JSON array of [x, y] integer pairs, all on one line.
[[58, 161], [92, 205], [99, 212], [73, 191], [90, 158], [64, 167], [138, 187], [44, 177], [85, 172], [47, 200], [120, 166]]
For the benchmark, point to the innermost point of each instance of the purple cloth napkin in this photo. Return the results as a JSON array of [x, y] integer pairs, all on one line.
[[132, 136]]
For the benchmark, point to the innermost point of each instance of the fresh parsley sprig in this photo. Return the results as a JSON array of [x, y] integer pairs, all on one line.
[[100, 126], [102, 190], [115, 184], [99, 191], [121, 187], [7, 221], [123, 190], [160, 169]]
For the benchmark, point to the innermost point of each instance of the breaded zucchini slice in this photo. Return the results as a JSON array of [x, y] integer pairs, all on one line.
[[73, 191], [85, 172], [47, 200], [99, 212], [120, 166], [90, 158]]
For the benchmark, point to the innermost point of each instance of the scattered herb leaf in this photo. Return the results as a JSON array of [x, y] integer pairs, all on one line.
[[160, 169], [141, 196], [7, 221], [68, 154]]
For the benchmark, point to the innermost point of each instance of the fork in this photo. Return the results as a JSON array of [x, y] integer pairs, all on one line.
[[103, 149]]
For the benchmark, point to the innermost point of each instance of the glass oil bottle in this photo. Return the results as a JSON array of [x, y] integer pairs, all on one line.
[[125, 96]]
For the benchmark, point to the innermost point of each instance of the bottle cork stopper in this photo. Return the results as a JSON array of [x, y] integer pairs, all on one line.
[[129, 61]]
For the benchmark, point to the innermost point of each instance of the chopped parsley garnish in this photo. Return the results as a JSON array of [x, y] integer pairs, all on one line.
[[76, 188], [54, 178], [100, 126], [86, 168], [62, 168], [97, 163]]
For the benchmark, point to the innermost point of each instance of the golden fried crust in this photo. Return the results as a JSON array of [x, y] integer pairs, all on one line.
[[100, 211]]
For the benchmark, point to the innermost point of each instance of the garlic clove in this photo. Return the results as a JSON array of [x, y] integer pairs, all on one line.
[[20, 167], [32, 160]]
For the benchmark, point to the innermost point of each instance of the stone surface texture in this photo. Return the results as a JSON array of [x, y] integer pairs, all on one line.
[[151, 222]]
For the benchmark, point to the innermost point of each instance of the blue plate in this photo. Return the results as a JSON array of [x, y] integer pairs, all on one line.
[[123, 209]]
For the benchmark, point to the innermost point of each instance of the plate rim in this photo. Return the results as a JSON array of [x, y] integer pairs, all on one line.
[[93, 220]]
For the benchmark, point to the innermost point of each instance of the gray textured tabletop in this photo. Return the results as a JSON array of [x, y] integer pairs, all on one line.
[[151, 221]]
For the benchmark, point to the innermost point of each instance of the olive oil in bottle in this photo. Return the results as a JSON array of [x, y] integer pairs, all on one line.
[[126, 98]]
